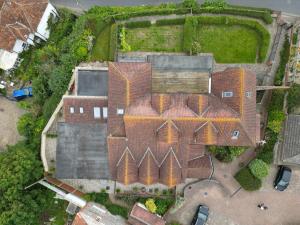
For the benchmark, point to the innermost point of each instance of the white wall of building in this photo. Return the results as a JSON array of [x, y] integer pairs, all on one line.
[[42, 30], [7, 59], [19, 46]]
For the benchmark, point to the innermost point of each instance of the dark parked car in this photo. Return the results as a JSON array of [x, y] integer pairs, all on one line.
[[283, 178], [201, 215]]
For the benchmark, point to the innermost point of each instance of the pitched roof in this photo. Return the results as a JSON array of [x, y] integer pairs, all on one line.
[[19, 18], [139, 215], [289, 150], [166, 132]]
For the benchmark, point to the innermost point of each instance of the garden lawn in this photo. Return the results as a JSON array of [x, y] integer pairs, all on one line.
[[100, 50], [229, 44], [155, 38]]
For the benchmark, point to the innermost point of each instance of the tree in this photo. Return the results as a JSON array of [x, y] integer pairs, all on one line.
[[214, 4], [150, 205], [193, 4], [259, 168]]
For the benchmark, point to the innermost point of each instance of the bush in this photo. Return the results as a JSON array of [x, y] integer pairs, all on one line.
[[150, 205], [117, 210], [259, 168], [138, 24], [163, 205], [225, 153], [189, 30], [178, 21], [247, 180], [219, 4], [276, 117]]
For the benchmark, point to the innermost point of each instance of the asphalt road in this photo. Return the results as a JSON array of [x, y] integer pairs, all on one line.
[[288, 6]]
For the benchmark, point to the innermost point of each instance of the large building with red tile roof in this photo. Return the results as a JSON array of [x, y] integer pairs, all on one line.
[[21, 22], [162, 114]]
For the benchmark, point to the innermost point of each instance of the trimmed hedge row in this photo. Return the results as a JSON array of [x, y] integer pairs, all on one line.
[[247, 180], [113, 41], [284, 58], [227, 20], [178, 21], [138, 24]]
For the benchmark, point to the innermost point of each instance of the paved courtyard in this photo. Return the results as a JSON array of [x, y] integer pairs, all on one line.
[[241, 209], [9, 115]]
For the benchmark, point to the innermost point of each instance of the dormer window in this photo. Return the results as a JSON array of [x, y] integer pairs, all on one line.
[[227, 94], [248, 94], [120, 111], [81, 110], [235, 134]]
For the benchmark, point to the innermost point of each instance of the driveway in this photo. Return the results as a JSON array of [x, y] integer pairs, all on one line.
[[9, 115], [289, 6], [241, 209]]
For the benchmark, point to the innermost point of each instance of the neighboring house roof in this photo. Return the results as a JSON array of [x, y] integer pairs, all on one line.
[[19, 18], [288, 152], [141, 216], [95, 214], [172, 128]]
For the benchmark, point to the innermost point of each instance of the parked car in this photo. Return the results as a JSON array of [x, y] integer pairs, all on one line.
[[201, 215], [283, 178], [22, 93]]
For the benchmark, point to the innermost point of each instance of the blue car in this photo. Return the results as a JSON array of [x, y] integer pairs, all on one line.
[[22, 93]]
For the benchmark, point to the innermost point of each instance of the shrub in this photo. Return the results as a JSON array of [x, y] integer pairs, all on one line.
[[221, 4], [150, 205], [190, 4], [124, 45], [247, 180], [117, 210], [276, 117], [189, 30], [177, 21], [137, 24], [226, 153], [163, 204], [258, 168]]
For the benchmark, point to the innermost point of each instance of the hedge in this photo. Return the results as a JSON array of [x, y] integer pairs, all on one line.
[[293, 98], [113, 41], [259, 168], [227, 20], [177, 21], [136, 24], [226, 153], [284, 58], [191, 23], [247, 180]]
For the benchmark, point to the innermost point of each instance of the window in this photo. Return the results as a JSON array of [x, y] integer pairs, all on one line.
[[97, 114], [227, 94], [120, 111], [81, 110], [248, 94], [104, 110], [235, 134], [72, 109]]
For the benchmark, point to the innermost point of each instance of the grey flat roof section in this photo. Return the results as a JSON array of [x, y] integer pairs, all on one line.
[[291, 141], [180, 62], [92, 82], [82, 151]]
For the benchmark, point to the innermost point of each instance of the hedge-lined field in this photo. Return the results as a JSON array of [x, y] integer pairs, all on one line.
[[231, 40]]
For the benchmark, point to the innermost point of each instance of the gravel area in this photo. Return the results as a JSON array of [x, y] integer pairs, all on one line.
[[9, 114]]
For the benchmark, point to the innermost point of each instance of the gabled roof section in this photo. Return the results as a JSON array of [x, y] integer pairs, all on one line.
[[148, 168], [168, 132], [19, 18], [127, 172], [170, 169]]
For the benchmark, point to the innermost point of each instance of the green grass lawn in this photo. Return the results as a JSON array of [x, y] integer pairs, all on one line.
[[156, 38], [229, 44], [57, 210], [100, 51]]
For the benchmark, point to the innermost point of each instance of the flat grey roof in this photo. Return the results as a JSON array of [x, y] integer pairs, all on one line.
[[181, 62], [92, 82], [82, 151]]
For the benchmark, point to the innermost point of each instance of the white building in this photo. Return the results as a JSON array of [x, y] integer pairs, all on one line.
[[22, 22]]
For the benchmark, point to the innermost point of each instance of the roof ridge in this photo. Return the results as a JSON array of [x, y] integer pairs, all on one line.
[[169, 152], [148, 150], [126, 150]]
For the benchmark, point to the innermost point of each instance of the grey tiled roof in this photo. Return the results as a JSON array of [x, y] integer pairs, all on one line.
[[291, 140]]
